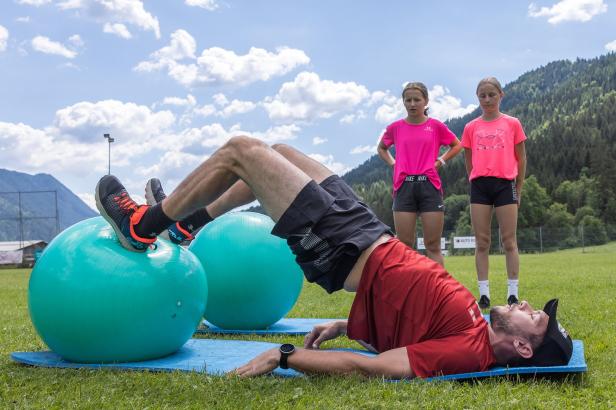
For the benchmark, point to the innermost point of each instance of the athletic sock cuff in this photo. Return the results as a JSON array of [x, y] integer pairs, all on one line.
[[195, 220], [154, 221]]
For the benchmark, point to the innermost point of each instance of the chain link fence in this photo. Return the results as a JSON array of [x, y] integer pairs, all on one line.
[[28, 215], [537, 240]]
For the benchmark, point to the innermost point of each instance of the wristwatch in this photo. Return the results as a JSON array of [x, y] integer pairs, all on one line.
[[286, 350]]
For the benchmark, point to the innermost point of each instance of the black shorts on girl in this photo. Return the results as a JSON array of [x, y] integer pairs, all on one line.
[[493, 191], [327, 227], [418, 194]]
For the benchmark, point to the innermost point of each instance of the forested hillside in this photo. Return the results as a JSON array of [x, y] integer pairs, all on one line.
[[568, 110]]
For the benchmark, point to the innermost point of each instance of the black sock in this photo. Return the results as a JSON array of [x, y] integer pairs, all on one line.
[[196, 220], [154, 221]]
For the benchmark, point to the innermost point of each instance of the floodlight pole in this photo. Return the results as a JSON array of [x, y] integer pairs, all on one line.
[[109, 140]]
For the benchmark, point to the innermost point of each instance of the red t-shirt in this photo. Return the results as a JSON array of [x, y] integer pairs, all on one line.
[[406, 299]]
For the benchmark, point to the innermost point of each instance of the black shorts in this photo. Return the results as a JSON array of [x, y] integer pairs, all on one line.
[[417, 194], [493, 191], [327, 227]]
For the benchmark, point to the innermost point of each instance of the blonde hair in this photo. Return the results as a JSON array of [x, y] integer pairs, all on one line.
[[492, 81], [421, 87]]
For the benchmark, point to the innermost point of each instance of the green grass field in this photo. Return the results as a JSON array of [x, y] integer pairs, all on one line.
[[584, 282]]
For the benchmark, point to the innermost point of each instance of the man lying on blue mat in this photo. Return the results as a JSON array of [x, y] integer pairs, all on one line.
[[420, 320]]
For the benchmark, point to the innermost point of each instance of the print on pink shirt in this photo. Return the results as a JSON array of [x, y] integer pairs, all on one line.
[[491, 141]]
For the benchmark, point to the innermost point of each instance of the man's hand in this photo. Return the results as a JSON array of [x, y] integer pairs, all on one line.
[[265, 363], [323, 332]]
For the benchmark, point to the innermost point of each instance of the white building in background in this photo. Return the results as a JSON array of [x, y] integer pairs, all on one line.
[[20, 253]]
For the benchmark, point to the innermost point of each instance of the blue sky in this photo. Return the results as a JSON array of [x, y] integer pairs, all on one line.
[[172, 80]]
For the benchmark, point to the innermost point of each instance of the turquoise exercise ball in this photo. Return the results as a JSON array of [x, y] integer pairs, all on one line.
[[252, 276], [92, 301]]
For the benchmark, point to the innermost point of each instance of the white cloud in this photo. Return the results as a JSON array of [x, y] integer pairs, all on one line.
[[24, 19], [115, 11], [220, 99], [328, 160], [74, 145], [391, 109], [87, 121], [172, 167], [89, 200], [569, 10], [351, 118], [118, 29], [611, 46], [4, 36], [362, 149], [377, 97], [189, 101], [442, 106], [76, 40], [219, 66], [206, 110], [47, 46], [182, 46], [210, 5], [237, 107], [308, 97], [319, 141], [35, 3], [274, 134], [29, 150]]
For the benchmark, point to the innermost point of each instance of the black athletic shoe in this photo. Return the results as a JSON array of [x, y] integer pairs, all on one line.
[[122, 213], [484, 302], [154, 192], [512, 300], [175, 233]]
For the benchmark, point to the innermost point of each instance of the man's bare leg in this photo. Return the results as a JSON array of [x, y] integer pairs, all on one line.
[[273, 180], [240, 194]]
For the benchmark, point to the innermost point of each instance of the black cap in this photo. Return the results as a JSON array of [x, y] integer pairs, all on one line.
[[556, 348]]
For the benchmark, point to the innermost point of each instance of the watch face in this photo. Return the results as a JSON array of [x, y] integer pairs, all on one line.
[[287, 348]]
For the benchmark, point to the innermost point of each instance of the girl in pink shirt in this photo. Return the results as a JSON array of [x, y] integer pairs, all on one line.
[[495, 160], [417, 185]]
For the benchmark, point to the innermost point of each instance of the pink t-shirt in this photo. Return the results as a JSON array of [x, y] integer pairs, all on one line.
[[493, 146], [417, 147]]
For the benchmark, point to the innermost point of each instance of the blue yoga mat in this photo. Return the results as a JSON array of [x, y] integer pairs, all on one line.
[[287, 326], [217, 357]]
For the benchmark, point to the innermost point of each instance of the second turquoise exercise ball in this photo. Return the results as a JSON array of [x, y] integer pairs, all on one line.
[[253, 280], [93, 301]]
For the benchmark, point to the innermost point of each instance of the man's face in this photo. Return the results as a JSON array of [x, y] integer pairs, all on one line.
[[520, 320]]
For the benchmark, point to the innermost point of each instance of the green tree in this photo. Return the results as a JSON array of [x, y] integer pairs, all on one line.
[[454, 206], [593, 230], [463, 225], [559, 231], [378, 197], [579, 193], [582, 213], [534, 205]]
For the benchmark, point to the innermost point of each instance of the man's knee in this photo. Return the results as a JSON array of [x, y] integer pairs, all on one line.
[[282, 149], [243, 142], [242, 145]]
